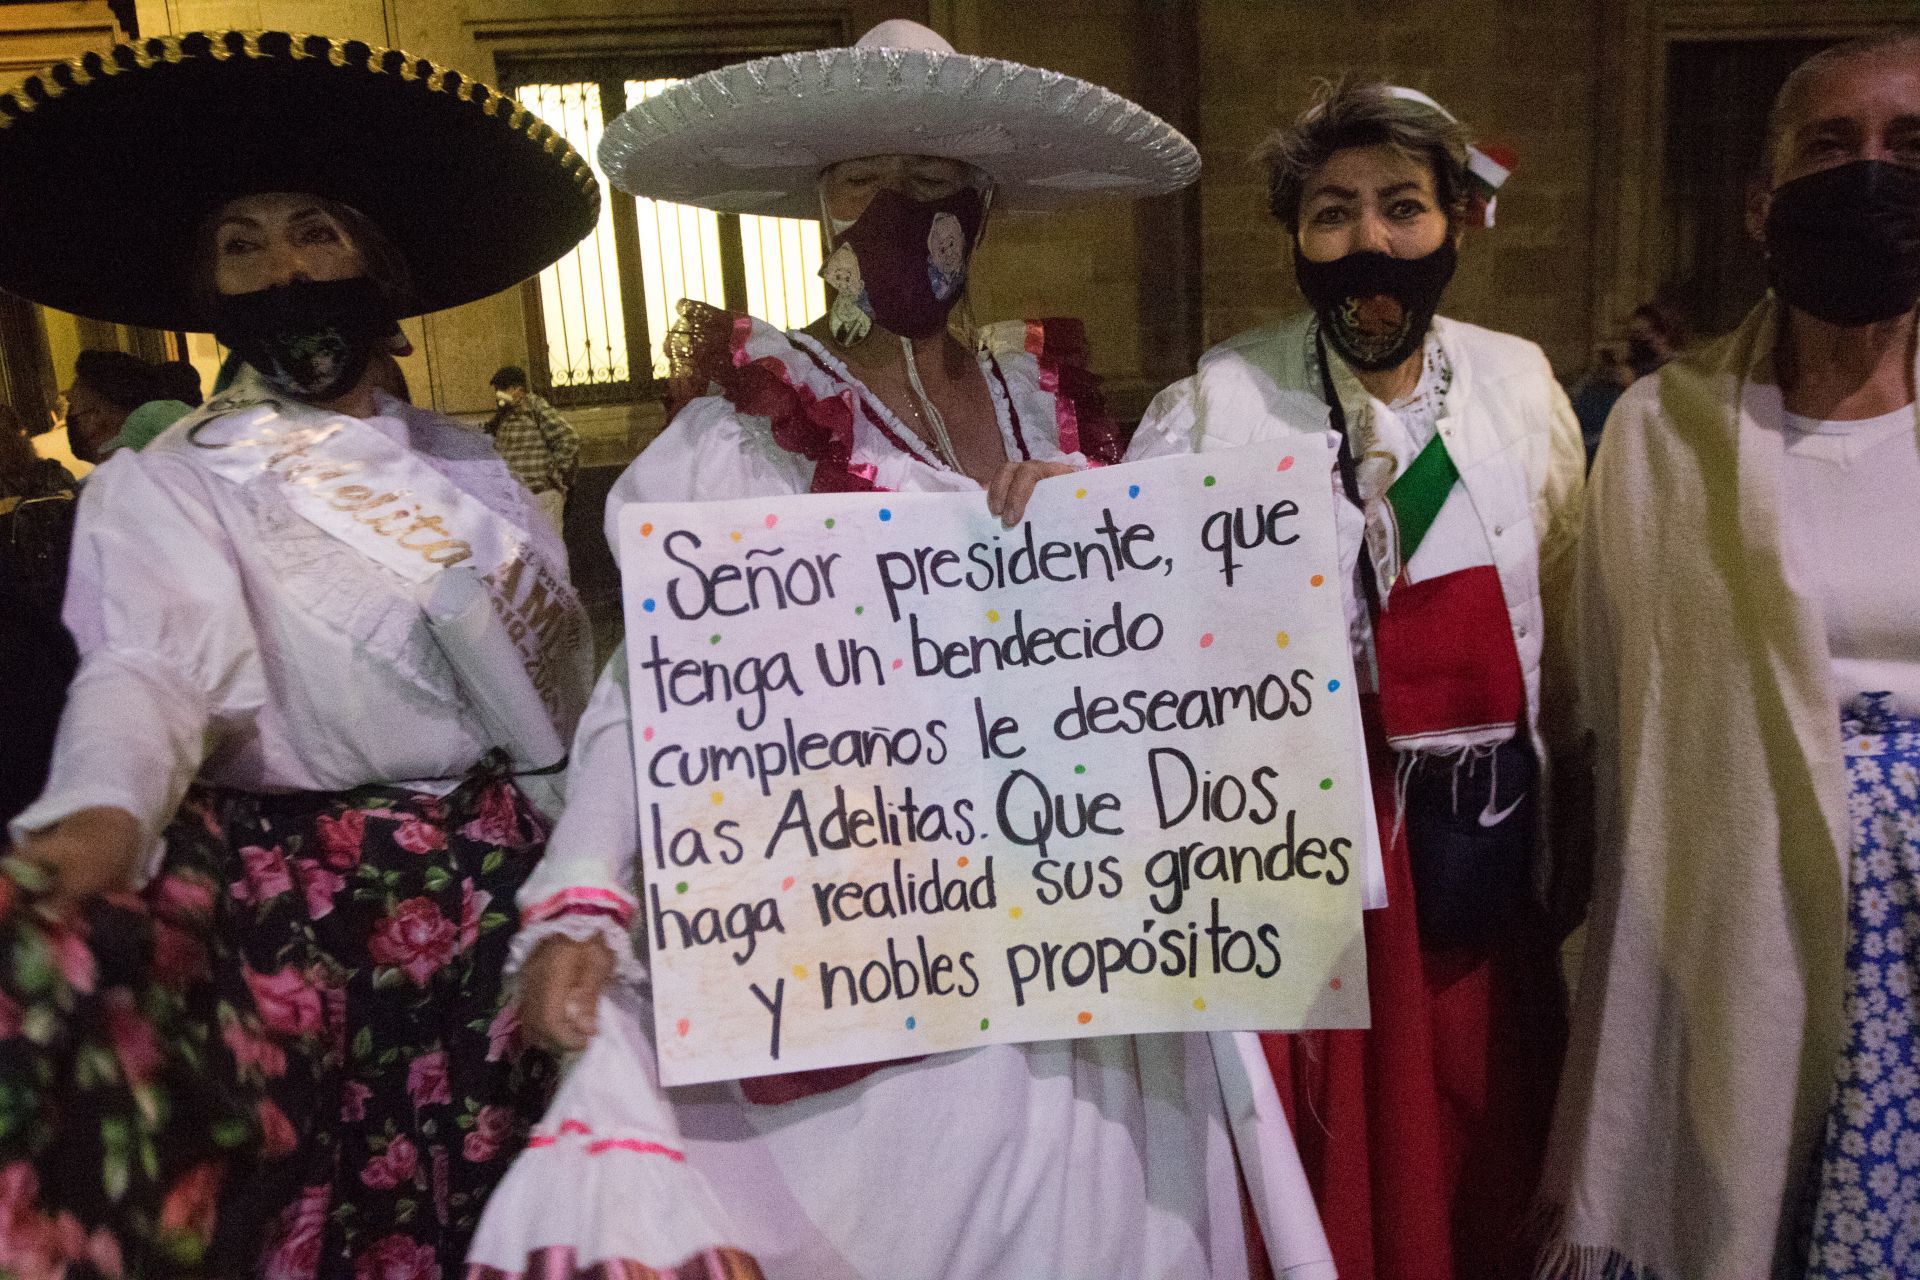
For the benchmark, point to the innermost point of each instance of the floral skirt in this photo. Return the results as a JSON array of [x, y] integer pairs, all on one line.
[[289, 1057], [1866, 1205]]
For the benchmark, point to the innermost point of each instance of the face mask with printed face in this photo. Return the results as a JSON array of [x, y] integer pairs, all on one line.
[[1373, 307], [1843, 244], [903, 262], [311, 339]]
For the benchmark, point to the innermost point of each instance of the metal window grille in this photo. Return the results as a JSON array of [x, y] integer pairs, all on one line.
[[603, 311], [582, 319]]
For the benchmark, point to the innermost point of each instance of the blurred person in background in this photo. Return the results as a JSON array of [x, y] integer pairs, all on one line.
[[539, 446], [181, 381], [37, 656], [1655, 334], [179, 385], [107, 386]]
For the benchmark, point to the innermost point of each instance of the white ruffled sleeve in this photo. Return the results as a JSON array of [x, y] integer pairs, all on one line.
[[587, 882], [1171, 425], [168, 650], [709, 452]]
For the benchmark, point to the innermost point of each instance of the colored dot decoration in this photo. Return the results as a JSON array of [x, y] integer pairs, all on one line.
[[736, 535], [1079, 768], [983, 1024], [1286, 463], [1200, 1003], [683, 1026], [787, 883], [714, 638], [646, 530], [646, 734], [1206, 641], [961, 861], [800, 972], [772, 520], [1326, 784], [648, 604], [1133, 491], [718, 796], [1317, 579], [1282, 639], [1334, 983], [1079, 493], [1085, 1017], [859, 609], [993, 615], [886, 514], [681, 887], [899, 663], [1333, 686], [1209, 482], [1014, 912], [829, 522], [911, 1023]]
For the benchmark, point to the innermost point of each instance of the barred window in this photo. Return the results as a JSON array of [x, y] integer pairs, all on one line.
[[602, 312]]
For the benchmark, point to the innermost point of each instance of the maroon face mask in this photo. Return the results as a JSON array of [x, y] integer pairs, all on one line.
[[910, 259]]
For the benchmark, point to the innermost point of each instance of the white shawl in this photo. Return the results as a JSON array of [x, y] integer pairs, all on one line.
[[1711, 1010]]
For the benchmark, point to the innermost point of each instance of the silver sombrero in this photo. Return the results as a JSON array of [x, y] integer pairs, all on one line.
[[753, 137]]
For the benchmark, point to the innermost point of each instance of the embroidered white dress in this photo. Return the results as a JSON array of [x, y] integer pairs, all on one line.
[[1110, 1158]]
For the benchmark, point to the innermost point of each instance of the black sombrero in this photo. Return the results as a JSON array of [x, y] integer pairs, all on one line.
[[109, 164]]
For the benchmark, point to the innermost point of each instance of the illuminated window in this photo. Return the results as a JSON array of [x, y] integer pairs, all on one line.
[[605, 308]]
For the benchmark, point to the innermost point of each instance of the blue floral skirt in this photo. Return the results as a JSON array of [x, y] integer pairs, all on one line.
[[1866, 1205]]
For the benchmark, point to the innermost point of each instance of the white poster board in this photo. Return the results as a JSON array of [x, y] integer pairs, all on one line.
[[911, 782]]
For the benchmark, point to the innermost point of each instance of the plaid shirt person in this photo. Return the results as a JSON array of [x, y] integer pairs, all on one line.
[[539, 446]]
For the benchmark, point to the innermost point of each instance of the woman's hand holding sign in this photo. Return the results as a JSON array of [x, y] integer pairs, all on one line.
[[560, 991], [1008, 494]]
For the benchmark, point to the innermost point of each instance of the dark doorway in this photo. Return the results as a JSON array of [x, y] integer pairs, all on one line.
[[1718, 95]]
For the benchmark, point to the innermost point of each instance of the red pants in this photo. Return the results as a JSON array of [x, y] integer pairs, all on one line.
[[1423, 1137]]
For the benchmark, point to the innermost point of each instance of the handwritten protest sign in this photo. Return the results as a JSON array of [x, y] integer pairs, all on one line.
[[912, 782]]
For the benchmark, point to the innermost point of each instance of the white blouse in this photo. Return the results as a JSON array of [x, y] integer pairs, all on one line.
[[1849, 512], [225, 638]]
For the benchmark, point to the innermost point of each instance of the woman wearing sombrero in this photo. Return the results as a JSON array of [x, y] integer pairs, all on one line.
[[1098, 1157], [251, 1019]]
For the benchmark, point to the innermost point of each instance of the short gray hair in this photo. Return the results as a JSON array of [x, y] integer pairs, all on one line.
[[1794, 88], [1362, 113]]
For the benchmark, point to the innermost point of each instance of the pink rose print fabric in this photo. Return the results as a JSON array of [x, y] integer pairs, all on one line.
[[313, 985]]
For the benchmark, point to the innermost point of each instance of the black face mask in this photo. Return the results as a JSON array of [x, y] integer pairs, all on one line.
[[311, 339], [1642, 356], [1373, 307], [1843, 244]]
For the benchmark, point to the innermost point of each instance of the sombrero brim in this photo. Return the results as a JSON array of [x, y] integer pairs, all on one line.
[[110, 163], [753, 137]]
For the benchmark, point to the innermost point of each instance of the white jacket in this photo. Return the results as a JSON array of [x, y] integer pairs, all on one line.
[[1507, 426]]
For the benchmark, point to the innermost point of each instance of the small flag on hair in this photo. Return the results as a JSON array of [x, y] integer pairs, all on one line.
[[1488, 168]]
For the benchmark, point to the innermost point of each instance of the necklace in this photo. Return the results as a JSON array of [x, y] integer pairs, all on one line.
[[931, 415], [931, 423]]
